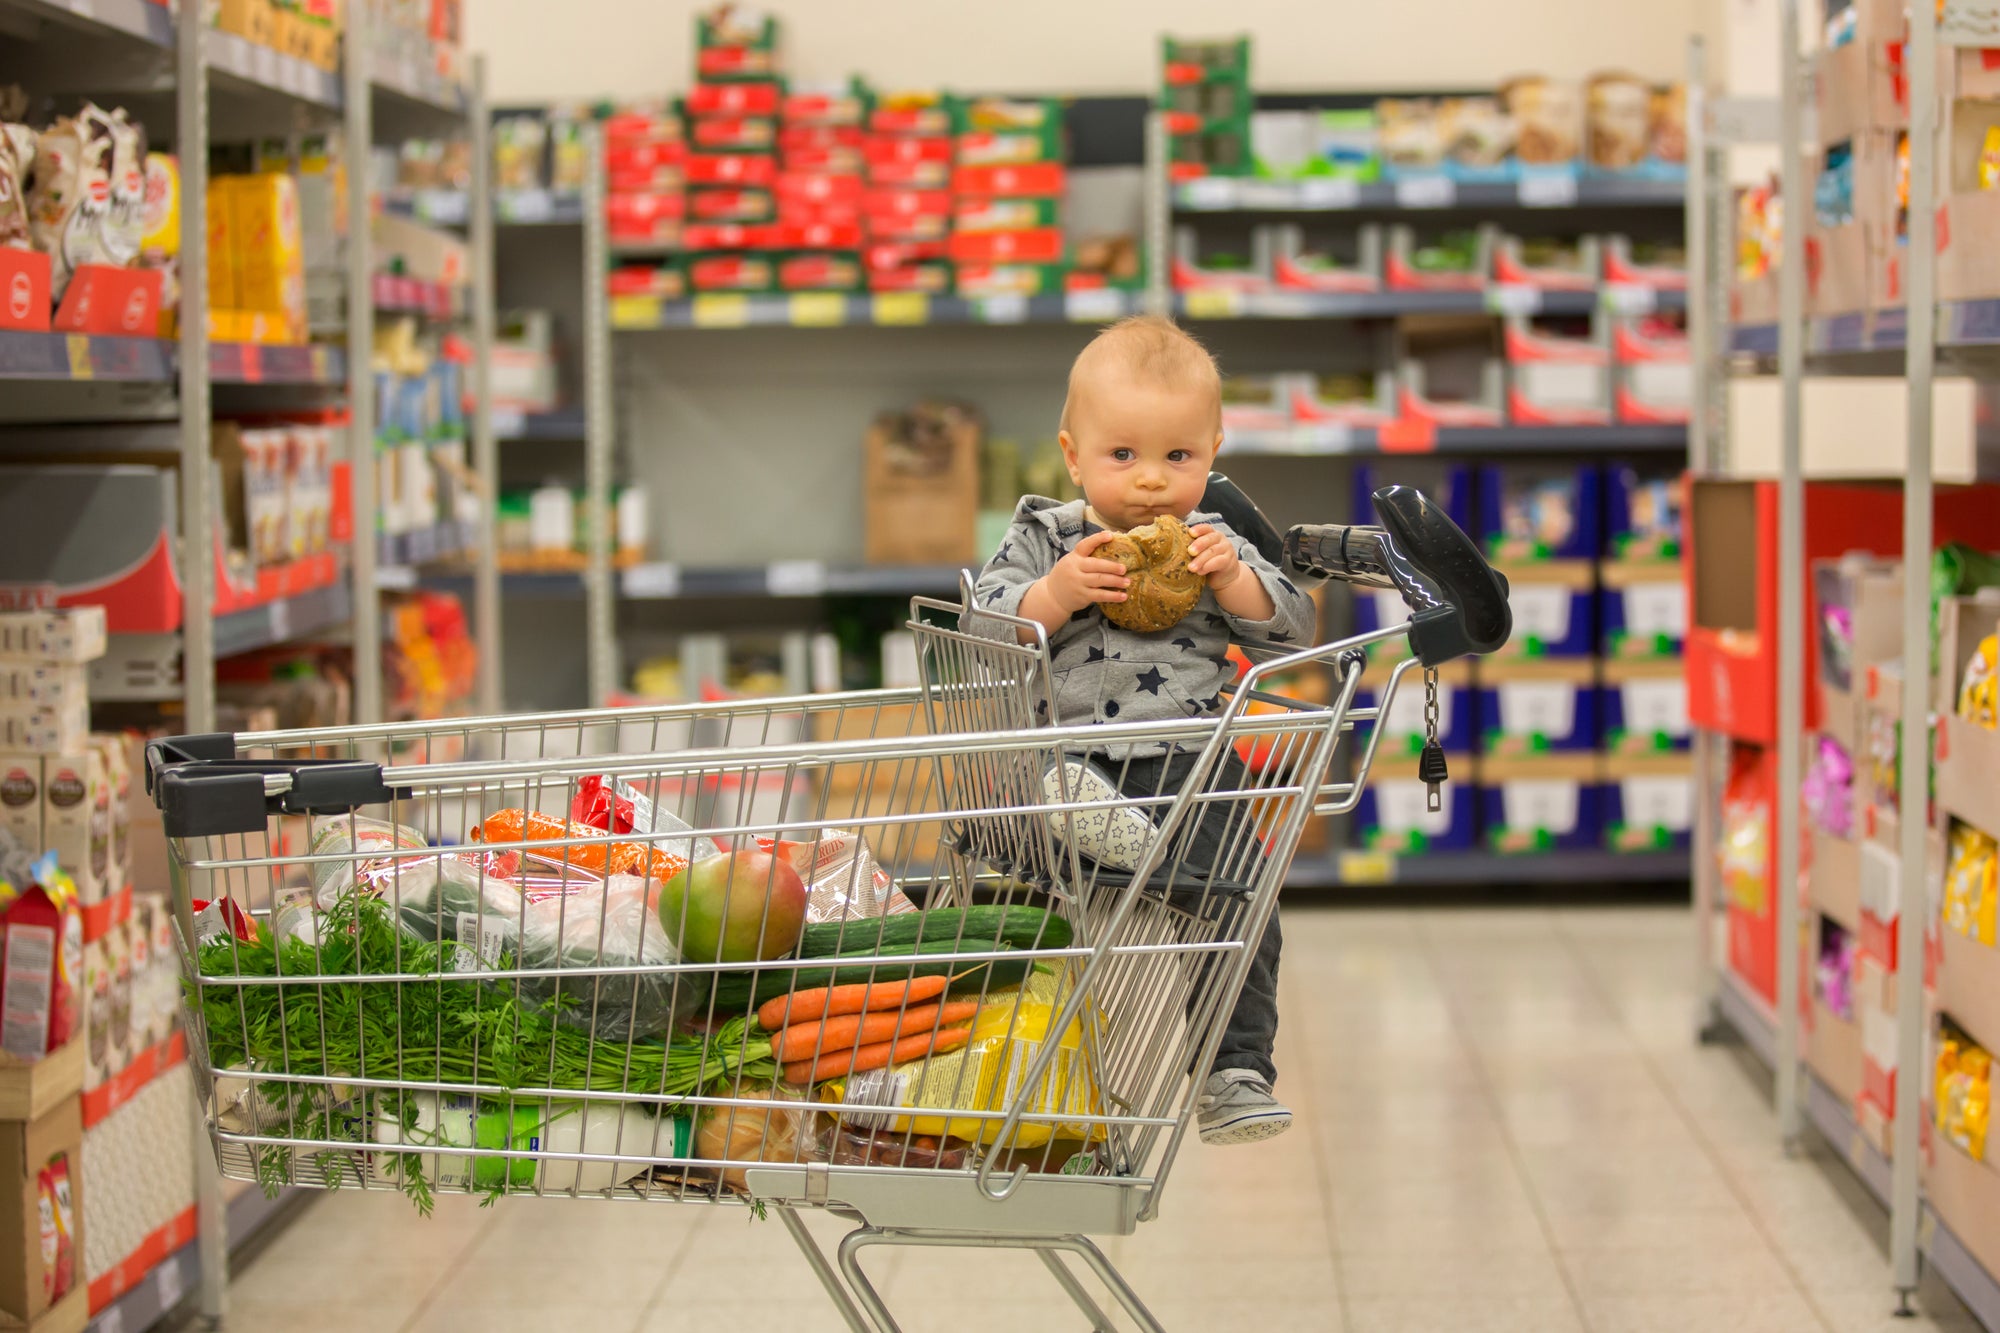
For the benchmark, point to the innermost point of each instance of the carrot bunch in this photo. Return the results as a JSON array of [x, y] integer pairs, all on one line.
[[833, 1031], [617, 858]]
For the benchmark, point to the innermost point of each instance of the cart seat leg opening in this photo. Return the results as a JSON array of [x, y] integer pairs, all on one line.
[[1047, 1248]]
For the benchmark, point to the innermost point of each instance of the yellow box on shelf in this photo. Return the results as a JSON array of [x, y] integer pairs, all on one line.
[[720, 310], [817, 310], [635, 312], [901, 308]]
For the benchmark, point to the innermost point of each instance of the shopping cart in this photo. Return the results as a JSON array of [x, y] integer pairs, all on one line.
[[509, 955]]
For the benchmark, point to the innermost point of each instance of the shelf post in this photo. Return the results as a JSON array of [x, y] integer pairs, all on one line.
[[1791, 564], [485, 449], [600, 615], [1920, 350], [1158, 217], [360, 127], [197, 544]]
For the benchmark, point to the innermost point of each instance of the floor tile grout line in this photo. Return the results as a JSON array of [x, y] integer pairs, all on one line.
[[1514, 1154], [445, 1273], [1324, 1171], [1694, 1127]]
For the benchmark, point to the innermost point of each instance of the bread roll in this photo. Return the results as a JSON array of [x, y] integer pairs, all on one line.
[[1163, 588]]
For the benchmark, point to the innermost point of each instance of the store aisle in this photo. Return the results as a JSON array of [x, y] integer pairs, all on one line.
[[1503, 1126]]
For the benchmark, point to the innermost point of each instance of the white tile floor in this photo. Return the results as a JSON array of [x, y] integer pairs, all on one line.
[[1503, 1125]]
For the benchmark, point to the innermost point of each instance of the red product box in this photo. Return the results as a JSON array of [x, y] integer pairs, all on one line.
[[625, 129], [934, 278], [820, 236], [881, 150], [915, 120], [831, 109], [912, 175], [802, 188], [819, 215], [819, 273], [24, 289], [733, 62], [731, 169], [902, 254], [835, 161], [815, 138], [731, 205], [645, 280], [733, 99], [909, 203], [643, 154], [647, 180], [644, 217], [732, 273], [731, 236], [911, 227], [117, 301], [734, 134], [1043, 245], [1038, 180]]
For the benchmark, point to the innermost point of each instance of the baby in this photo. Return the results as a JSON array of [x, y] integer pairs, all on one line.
[[1140, 430]]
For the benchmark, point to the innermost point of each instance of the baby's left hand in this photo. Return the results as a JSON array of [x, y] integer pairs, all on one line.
[[1215, 556]]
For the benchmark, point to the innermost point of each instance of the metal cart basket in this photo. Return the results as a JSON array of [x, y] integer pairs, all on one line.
[[904, 955]]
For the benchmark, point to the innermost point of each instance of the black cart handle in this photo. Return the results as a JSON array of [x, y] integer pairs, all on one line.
[[202, 790]]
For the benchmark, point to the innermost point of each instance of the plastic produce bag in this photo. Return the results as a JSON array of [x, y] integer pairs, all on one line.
[[782, 1129], [843, 880], [989, 1074], [616, 806]]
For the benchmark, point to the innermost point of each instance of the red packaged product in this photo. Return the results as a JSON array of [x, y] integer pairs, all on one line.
[[734, 133], [59, 1270], [820, 236], [1043, 245], [645, 280], [41, 959], [731, 236], [915, 227], [644, 154], [645, 180], [733, 99], [834, 161], [819, 215], [819, 273], [881, 149], [926, 120], [806, 138], [932, 278], [841, 109], [733, 62], [800, 187], [622, 128], [909, 203], [731, 169], [731, 273], [731, 205], [899, 254], [1037, 180], [921, 175]]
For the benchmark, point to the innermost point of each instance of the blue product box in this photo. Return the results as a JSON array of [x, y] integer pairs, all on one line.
[[1393, 814], [1642, 512], [1642, 610], [1648, 803], [1538, 707], [1403, 729], [1643, 707], [1555, 610], [1446, 485], [1542, 804], [1540, 511]]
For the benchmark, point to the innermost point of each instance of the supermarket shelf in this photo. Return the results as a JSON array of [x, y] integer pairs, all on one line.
[[398, 295], [1748, 1015], [511, 208], [1512, 299], [1404, 439], [403, 75], [80, 356], [285, 619], [563, 424], [1831, 1117], [1960, 324], [1224, 194], [239, 60], [150, 23], [1352, 869], [149, 1303], [1962, 1272], [442, 541], [659, 581], [262, 363]]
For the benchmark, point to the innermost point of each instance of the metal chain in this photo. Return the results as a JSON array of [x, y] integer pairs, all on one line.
[[1430, 705]]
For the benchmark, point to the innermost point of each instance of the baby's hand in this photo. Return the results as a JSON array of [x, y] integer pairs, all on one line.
[[1081, 579], [1214, 555]]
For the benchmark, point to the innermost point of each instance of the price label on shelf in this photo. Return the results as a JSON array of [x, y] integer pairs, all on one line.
[[1657, 802], [171, 1283], [795, 578], [656, 578], [1008, 308], [112, 1320], [1655, 706], [900, 308], [1542, 804], [266, 67], [250, 362], [644, 312], [395, 578], [322, 362], [1426, 192], [1367, 867], [77, 345], [1097, 306], [817, 310], [507, 422], [280, 621], [1514, 300], [527, 206], [720, 310], [1629, 298], [1213, 303], [1553, 189], [1329, 193], [1209, 192]]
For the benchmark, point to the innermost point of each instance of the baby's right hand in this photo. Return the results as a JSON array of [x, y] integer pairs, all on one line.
[[1081, 579]]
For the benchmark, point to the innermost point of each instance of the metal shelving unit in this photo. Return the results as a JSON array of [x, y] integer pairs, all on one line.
[[1918, 330], [149, 1303]]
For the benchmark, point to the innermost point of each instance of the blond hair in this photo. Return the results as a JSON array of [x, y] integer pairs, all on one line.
[[1151, 348]]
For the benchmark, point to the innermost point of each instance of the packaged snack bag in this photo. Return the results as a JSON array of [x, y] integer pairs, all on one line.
[[17, 157], [70, 192], [124, 221]]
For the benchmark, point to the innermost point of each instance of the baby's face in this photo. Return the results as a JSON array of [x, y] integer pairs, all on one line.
[[1140, 450]]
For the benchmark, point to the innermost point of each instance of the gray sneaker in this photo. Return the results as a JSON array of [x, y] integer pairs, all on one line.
[[1237, 1106]]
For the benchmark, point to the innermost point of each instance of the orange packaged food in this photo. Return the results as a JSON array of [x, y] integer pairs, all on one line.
[[617, 858]]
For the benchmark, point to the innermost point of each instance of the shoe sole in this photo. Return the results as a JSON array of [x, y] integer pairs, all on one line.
[[1254, 1128]]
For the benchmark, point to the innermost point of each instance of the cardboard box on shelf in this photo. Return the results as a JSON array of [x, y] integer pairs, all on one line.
[[1833, 1050], [1968, 754], [1642, 609], [1403, 727], [270, 249], [1394, 814], [1855, 428], [1968, 985], [1966, 1196], [74, 635], [922, 485], [1648, 802], [44, 727], [1537, 706], [21, 800], [1552, 602], [1866, 593], [1833, 878], [1540, 804], [1540, 511], [1643, 706], [76, 819], [1554, 379], [24, 277], [29, 1290], [1860, 85]]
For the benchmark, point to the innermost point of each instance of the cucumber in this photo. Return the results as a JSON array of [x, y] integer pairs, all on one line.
[[946, 930]]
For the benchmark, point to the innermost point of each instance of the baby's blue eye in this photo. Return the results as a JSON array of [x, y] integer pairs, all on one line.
[[1122, 455], [1179, 456]]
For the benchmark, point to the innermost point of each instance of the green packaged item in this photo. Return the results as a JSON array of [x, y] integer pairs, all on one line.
[[1956, 571], [1005, 115]]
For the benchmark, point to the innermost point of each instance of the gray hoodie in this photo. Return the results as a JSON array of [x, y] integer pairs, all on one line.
[[1107, 674]]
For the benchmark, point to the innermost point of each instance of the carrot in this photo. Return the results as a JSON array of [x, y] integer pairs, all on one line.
[[828, 1001], [801, 1040], [835, 1064], [618, 858]]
